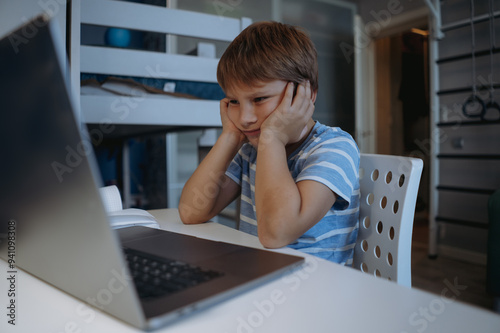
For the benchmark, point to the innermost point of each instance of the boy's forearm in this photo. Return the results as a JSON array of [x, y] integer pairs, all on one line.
[[277, 196], [199, 198]]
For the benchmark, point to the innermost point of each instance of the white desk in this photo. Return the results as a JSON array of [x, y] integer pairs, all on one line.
[[321, 297]]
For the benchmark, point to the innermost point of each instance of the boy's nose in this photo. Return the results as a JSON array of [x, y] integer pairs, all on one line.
[[247, 115]]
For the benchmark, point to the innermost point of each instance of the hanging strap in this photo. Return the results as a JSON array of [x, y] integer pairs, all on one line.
[[492, 104], [470, 108]]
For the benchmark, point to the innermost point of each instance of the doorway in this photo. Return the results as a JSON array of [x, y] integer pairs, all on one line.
[[403, 109]]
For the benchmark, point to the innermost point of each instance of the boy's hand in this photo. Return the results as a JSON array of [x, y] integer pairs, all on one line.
[[288, 122], [227, 125]]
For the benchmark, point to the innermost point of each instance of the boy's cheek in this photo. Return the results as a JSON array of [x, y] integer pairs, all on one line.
[[274, 106], [232, 114]]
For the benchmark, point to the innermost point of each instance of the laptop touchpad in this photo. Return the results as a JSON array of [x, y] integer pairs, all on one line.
[[173, 245]]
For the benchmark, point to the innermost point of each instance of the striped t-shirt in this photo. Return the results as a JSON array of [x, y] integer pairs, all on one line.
[[329, 156]]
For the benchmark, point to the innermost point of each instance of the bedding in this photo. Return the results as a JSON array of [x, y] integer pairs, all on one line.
[[131, 86]]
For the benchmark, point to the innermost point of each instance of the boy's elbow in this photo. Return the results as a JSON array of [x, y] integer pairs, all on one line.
[[272, 238], [186, 219], [270, 242], [187, 216]]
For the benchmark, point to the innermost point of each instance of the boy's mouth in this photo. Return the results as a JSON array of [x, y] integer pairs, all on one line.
[[251, 133]]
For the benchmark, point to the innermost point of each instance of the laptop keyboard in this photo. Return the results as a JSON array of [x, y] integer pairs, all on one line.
[[155, 276]]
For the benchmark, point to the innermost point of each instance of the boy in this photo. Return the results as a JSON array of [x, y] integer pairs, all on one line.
[[298, 179]]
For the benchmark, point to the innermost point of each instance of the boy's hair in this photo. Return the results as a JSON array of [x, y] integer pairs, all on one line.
[[267, 51]]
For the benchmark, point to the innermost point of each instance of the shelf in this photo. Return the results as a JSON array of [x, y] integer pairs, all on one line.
[[144, 17], [156, 65], [464, 189], [469, 123], [466, 89], [120, 116], [465, 22], [474, 224], [467, 56], [470, 156]]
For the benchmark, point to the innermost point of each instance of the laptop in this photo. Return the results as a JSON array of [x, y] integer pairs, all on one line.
[[50, 192]]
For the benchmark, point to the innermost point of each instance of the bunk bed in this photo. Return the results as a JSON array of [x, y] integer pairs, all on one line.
[[120, 86]]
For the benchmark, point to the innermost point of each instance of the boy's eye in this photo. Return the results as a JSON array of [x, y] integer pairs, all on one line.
[[259, 99], [233, 101]]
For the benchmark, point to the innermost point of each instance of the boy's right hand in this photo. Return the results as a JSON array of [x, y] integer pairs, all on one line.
[[228, 126], [291, 120]]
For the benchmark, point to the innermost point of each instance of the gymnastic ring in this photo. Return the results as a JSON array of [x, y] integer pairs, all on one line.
[[491, 105], [470, 100]]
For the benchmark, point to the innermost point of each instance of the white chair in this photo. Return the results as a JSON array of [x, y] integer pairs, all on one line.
[[388, 186]]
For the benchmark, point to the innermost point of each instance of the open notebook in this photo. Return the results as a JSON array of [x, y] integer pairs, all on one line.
[[128, 217]]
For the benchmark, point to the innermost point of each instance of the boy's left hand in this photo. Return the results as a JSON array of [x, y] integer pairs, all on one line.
[[288, 122]]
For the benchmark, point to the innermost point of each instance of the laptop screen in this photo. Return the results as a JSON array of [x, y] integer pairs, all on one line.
[[48, 173]]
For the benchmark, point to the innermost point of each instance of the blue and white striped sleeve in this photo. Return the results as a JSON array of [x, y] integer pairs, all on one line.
[[234, 170], [335, 164]]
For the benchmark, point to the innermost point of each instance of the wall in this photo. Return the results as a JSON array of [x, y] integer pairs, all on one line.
[[468, 150], [376, 10]]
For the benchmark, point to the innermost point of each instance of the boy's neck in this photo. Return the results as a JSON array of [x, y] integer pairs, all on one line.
[[292, 147]]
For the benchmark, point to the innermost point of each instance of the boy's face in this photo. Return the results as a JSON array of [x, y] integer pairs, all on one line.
[[249, 106]]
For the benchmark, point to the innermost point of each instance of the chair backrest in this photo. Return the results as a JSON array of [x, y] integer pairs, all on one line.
[[389, 187]]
